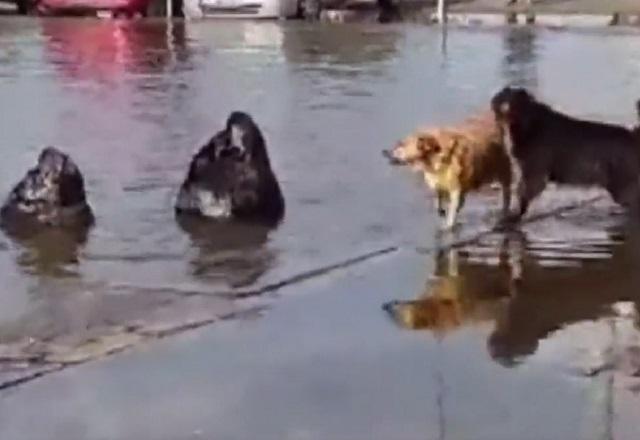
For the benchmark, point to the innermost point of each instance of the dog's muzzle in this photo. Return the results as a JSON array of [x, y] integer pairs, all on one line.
[[391, 158], [233, 152]]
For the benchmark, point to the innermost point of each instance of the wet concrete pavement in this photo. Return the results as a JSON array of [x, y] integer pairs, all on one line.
[[528, 335]]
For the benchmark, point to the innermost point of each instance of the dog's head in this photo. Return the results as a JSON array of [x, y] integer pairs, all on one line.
[[508, 348], [240, 143], [54, 181], [426, 151], [514, 106], [242, 140], [434, 313]]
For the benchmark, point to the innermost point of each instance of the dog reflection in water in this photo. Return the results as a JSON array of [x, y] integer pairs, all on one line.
[[463, 292], [524, 296]]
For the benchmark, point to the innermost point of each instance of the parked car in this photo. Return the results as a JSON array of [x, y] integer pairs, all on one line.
[[82, 7], [24, 6], [241, 8]]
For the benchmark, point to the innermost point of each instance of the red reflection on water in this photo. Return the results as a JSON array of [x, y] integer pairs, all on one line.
[[103, 50]]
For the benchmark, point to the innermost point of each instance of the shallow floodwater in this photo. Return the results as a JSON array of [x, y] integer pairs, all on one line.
[[529, 335]]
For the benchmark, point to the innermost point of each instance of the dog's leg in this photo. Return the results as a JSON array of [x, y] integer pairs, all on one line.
[[506, 202], [523, 201], [456, 201], [515, 177], [516, 252], [440, 199], [453, 269], [529, 187], [627, 196], [510, 257]]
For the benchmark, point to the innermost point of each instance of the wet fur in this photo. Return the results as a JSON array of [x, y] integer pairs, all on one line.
[[457, 160], [548, 146], [50, 194], [231, 176]]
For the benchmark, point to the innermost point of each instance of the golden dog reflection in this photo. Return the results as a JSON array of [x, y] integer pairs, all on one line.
[[461, 293]]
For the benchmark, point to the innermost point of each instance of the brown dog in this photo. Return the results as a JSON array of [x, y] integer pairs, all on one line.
[[549, 146], [456, 160]]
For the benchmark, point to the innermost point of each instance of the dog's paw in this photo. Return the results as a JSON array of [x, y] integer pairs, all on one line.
[[508, 220], [505, 223], [449, 227]]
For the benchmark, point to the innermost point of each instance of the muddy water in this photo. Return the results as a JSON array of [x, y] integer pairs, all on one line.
[[529, 335]]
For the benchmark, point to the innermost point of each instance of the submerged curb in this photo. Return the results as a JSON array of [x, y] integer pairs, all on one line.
[[495, 18], [541, 19]]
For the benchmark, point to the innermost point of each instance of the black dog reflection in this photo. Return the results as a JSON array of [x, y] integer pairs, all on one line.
[[231, 177], [232, 253], [524, 298]]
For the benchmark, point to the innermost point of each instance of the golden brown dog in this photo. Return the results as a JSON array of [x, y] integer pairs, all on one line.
[[456, 160]]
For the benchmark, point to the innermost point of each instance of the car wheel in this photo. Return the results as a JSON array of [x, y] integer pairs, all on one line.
[[23, 6]]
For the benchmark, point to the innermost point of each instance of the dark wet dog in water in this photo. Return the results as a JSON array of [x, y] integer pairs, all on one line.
[[548, 146], [50, 194], [231, 176]]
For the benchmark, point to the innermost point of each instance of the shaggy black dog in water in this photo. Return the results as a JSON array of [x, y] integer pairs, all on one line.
[[231, 177], [50, 194]]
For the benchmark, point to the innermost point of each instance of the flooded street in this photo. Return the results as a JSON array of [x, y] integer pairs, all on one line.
[[354, 318]]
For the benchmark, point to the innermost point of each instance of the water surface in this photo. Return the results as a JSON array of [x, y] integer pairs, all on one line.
[[530, 335]]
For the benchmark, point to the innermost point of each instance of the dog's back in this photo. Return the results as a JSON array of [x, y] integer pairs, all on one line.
[[579, 151], [485, 156]]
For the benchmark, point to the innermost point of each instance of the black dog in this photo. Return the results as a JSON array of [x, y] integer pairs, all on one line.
[[231, 177], [548, 146], [50, 194]]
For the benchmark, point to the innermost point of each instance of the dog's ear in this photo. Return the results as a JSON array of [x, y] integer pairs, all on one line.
[[504, 109], [453, 141], [510, 102], [428, 144], [70, 168], [51, 161], [501, 104], [523, 111], [497, 100], [200, 163]]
